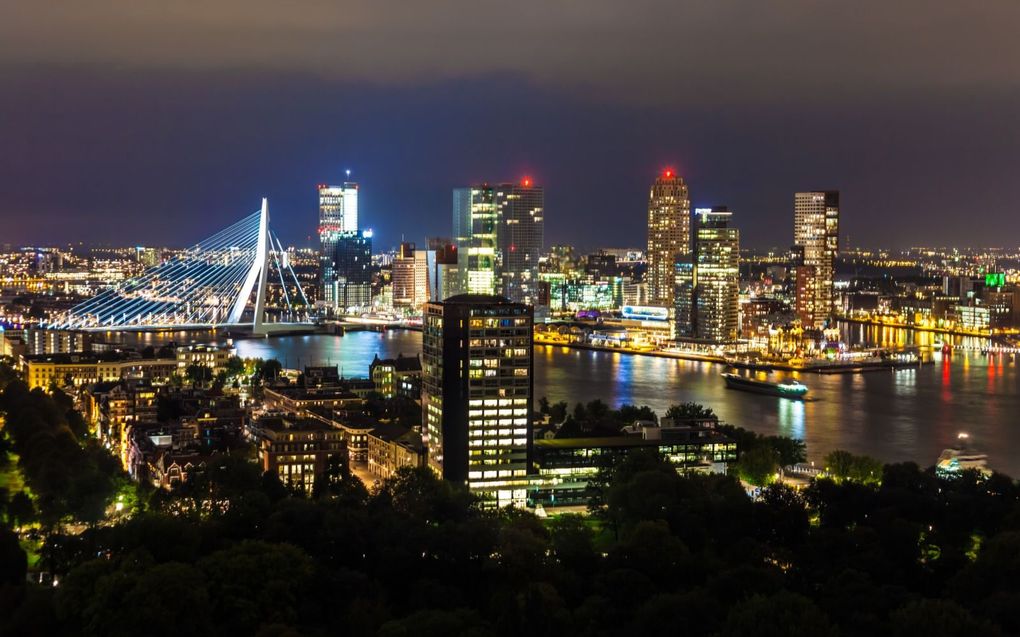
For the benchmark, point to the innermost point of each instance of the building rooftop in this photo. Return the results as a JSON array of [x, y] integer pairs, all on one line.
[[293, 424], [401, 363], [471, 299]]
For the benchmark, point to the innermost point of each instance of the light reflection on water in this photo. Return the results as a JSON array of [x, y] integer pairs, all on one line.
[[905, 415]]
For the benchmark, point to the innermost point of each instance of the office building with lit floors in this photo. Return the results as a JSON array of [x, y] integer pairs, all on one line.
[[338, 217], [477, 392], [475, 227], [816, 244], [521, 238], [707, 299], [669, 235]]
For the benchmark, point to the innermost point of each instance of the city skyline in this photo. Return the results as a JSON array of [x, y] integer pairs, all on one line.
[[917, 132]]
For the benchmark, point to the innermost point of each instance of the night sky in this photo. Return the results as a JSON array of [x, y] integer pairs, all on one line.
[[145, 122]]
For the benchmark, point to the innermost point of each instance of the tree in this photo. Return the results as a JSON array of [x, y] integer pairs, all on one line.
[[938, 618], [271, 369], [758, 466], [689, 411], [235, 366], [779, 615], [253, 583], [13, 561], [843, 465], [198, 374]]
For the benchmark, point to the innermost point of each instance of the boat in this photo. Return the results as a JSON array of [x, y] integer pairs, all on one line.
[[785, 389], [961, 458]]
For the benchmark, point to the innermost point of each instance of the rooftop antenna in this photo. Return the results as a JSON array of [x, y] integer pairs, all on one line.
[[348, 171]]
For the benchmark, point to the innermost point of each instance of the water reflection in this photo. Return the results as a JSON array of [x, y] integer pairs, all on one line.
[[906, 415], [791, 418]]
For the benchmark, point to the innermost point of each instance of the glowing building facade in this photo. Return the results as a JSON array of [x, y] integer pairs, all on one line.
[[669, 235], [338, 223], [477, 387], [475, 221], [816, 244], [500, 236]]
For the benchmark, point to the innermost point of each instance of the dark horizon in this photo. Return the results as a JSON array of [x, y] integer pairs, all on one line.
[[154, 126]]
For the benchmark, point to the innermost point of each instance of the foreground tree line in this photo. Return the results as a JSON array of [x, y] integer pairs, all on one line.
[[234, 552]]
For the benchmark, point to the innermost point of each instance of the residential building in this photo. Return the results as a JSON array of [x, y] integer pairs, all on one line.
[[669, 235], [392, 447], [297, 449], [399, 376], [816, 241], [93, 367]]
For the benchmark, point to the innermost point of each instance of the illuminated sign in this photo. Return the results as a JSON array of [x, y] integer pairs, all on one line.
[[995, 280], [644, 313]]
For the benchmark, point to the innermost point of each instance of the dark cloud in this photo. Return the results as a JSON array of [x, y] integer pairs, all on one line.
[[150, 122]]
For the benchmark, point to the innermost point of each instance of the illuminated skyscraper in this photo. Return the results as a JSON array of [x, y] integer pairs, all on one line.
[[717, 263], [500, 235], [475, 221], [669, 235], [476, 393], [816, 244], [520, 238], [338, 216], [351, 286]]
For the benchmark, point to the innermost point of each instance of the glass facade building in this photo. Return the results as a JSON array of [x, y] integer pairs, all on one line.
[[338, 217]]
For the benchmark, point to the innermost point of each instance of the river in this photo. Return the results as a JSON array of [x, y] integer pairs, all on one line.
[[909, 414]]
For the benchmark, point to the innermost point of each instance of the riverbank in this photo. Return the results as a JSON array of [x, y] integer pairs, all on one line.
[[985, 334], [819, 367]]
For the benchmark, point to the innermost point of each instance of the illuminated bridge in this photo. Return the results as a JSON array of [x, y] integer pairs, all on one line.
[[210, 285]]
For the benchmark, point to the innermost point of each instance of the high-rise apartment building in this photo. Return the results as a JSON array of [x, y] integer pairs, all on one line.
[[338, 217], [816, 244], [477, 386], [521, 238], [669, 235], [500, 235]]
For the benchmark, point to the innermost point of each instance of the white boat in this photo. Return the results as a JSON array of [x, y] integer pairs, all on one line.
[[961, 458]]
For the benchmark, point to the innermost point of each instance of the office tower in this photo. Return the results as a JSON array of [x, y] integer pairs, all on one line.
[[520, 238], [717, 261], [351, 265], [816, 243], [476, 393], [409, 280], [669, 235], [338, 215], [475, 220], [500, 235], [444, 273], [708, 283]]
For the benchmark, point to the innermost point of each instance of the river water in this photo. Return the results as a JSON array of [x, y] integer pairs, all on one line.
[[909, 414]]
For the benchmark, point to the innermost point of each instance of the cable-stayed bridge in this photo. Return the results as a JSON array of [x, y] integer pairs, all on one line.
[[209, 285]]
